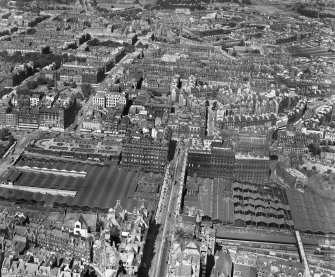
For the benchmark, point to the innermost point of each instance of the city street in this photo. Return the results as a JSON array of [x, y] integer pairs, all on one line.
[[169, 213], [22, 141], [76, 125]]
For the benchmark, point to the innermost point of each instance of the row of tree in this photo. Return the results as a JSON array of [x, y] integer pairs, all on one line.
[[5, 136], [129, 48], [314, 13], [40, 59], [40, 81], [4, 91], [86, 89]]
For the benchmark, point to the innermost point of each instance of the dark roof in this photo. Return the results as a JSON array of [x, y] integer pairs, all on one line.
[[311, 213], [213, 203], [100, 189], [12, 175], [50, 181]]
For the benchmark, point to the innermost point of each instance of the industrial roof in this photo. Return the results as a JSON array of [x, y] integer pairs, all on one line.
[[250, 235], [48, 181], [100, 189], [261, 205], [311, 213], [213, 202]]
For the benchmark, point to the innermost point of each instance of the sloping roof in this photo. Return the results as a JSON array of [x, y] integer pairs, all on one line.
[[213, 203], [223, 208], [311, 213], [99, 190]]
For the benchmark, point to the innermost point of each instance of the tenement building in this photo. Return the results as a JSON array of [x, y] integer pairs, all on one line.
[[28, 117], [218, 161], [146, 153], [221, 161], [55, 117], [251, 168]]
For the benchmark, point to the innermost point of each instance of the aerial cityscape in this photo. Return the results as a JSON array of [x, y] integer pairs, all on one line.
[[167, 138]]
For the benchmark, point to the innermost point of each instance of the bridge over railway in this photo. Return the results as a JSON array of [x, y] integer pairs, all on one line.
[[302, 254]]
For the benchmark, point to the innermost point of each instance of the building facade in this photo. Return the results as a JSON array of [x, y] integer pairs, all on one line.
[[145, 153]]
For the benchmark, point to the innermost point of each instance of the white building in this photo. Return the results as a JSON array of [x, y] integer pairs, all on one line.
[[330, 136], [80, 227], [114, 98], [34, 99], [110, 99], [99, 100]]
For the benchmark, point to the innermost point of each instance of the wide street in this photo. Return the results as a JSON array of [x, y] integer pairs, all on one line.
[[168, 215]]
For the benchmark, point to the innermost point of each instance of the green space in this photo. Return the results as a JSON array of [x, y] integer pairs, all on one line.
[[40, 59]]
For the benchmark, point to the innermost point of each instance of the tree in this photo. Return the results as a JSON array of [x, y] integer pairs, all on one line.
[[215, 104], [5, 91], [329, 171], [93, 42], [314, 167], [31, 84], [31, 31], [315, 150], [141, 45], [46, 50], [24, 91], [275, 135], [41, 81], [3, 133], [73, 85], [11, 139], [79, 96], [50, 83], [86, 89]]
